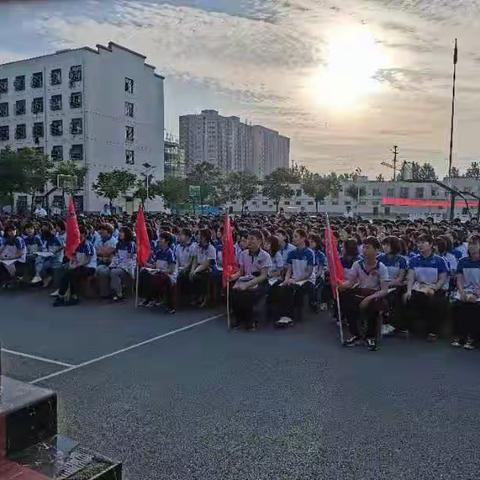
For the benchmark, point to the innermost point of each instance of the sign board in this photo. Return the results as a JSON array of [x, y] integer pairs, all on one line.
[[194, 191]]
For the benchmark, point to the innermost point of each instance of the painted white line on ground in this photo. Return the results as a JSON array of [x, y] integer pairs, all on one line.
[[123, 350], [36, 357]]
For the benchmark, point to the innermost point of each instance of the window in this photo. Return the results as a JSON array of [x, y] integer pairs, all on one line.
[[4, 133], [75, 74], [376, 192], [129, 134], [21, 132], [419, 192], [56, 102], [298, 193], [56, 128], [403, 192], [76, 100], [37, 80], [37, 105], [310, 203], [76, 153], [57, 153], [464, 211], [4, 109], [286, 203], [19, 83], [298, 202], [56, 77], [76, 126], [37, 131], [434, 192], [129, 157], [3, 85], [20, 107], [129, 109], [128, 85], [264, 203], [390, 192], [387, 210]]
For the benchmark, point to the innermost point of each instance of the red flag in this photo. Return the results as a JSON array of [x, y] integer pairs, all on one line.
[[72, 240], [229, 263], [143, 243], [334, 264]]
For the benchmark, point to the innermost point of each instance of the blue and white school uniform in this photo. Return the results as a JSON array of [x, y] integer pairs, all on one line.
[[33, 244], [125, 257], [84, 251], [300, 260], [347, 264], [163, 260], [251, 265], [110, 241], [276, 267], [370, 279], [207, 253], [394, 263], [12, 249], [320, 264], [470, 270], [184, 255], [427, 270], [285, 251]]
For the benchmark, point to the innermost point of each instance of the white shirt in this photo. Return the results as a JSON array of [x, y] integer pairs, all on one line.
[[40, 212]]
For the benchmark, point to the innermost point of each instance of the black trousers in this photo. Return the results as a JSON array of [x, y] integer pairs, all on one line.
[[425, 312], [154, 286], [466, 320], [396, 307], [357, 317], [290, 300], [72, 278], [243, 302], [200, 283]]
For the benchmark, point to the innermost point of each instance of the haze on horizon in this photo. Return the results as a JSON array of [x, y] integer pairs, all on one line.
[[344, 79]]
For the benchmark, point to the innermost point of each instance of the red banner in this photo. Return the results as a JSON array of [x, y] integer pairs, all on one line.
[[421, 202]]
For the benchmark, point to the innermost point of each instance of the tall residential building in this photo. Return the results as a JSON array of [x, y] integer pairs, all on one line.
[[103, 108], [231, 145]]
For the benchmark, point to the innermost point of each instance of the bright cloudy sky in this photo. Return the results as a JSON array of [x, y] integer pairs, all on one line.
[[344, 79]]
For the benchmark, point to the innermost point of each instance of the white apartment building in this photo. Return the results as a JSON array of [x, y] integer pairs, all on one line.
[[372, 199], [103, 108], [232, 145]]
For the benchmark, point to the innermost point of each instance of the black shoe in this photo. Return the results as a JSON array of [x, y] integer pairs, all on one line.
[[372, 344], [59, 302], [170, 311], [352, 341]]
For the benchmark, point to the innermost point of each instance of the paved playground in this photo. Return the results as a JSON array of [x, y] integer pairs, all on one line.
[[180, 397]]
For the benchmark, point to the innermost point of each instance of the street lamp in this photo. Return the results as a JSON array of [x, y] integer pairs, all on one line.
[[148, 168]]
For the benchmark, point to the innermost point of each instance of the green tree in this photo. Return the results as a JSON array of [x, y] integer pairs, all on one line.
[[473, 171], [423, 172], [316, 186], [12, 174], [455, 172], [69, 169], [209, 178], [242, 186], [113, 184], [380, 178], [38, 168], [140, 191], [277, 186], [355, 191], [174, 192]]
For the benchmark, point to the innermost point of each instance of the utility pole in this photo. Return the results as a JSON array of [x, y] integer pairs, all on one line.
[[450, 159], [395, 153]]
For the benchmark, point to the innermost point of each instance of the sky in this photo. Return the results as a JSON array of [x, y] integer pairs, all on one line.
[[345, 80]]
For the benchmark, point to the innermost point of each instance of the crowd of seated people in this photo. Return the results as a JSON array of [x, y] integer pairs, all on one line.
[[400, 276]]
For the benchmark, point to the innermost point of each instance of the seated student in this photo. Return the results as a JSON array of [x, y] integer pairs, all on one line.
[[251, 281], [466, 308], [33, 244], [285, 246], [397, 270], [158, 282], [204, 262], [122, 266], [50, 257], [82, 264], [299, 281], [362, 294], [13, 254], [426, 280], [105, 248], [319, 269], [275, 273], [184, 253], [240, 244]]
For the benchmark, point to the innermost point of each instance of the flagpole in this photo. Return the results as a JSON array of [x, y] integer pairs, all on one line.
[[450, 159], [228, 305], [136, 287]]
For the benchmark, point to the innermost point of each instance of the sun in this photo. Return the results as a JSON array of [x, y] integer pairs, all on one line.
[[353, 56]]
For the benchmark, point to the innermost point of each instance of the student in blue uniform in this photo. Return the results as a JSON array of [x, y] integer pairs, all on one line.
[[319, 269], [251, 281], [363, 293], [426, 279], [105, 247], [184, 253], [204, 262], [285, 246], [299, 281], [82, 264], [48, 264], [275, 274], [34, 245], [466, 307], [13, 254]]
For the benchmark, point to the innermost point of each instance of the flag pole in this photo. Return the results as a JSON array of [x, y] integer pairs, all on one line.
[[228, 305], [452, 120], [136, 287]]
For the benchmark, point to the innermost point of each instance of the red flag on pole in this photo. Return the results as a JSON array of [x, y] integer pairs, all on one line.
[[229, 263], [72, 240], [143, 243], [335, 266]]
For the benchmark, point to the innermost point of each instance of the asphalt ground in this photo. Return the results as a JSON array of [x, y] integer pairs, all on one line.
[[181, 397]]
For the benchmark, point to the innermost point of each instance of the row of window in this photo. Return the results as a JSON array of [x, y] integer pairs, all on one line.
[[56, 104], [56, 130], [76, 152], [36, 80]]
